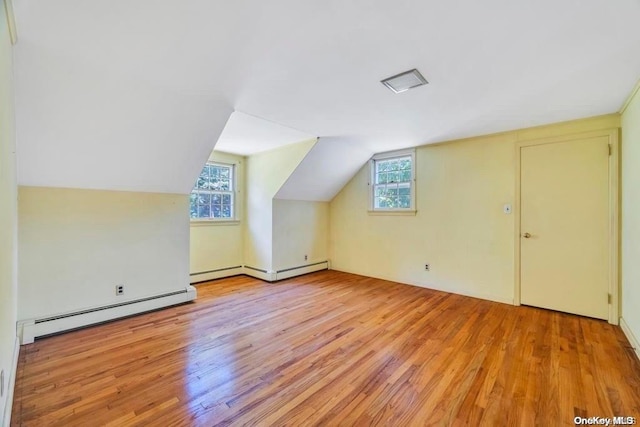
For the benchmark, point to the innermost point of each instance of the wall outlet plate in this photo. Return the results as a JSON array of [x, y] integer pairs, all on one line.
[[427, 267], [119, 289]]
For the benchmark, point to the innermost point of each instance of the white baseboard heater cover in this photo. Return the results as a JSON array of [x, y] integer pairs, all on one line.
[[272, 276], [28, 330]]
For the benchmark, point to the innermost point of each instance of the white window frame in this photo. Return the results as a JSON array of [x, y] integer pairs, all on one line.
[[233, 192], [372, 179]]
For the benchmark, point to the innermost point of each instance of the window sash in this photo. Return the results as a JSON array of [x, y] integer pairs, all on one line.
[[392, 182], [208, 201]]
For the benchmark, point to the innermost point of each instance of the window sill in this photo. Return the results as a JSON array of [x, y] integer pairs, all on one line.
[[208, 222], [393, 213]]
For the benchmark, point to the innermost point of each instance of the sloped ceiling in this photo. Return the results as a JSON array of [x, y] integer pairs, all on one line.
[[316, 178], [246, 135], [133, 94]]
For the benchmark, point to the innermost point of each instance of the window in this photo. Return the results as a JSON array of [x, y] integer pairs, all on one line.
[[392, 181], [213, 196]]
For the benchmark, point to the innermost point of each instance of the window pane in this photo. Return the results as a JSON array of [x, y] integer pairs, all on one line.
[[204, 211], [392, 183], [204, 198], [204, 174], [381, 203]]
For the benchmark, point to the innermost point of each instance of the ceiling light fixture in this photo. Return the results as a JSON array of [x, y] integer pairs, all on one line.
[[404, 81]]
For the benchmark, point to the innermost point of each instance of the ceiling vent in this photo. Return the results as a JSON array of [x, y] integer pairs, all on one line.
[[404, 81]]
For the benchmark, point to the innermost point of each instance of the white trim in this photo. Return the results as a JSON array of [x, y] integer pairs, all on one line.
[[218, 274], [633, 93], [11, 384], [388, 156], [394, 212], [201, 222], [30, 329], [630, 336], [234, 192]]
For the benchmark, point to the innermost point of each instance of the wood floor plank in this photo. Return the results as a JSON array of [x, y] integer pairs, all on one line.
[[329, 348]]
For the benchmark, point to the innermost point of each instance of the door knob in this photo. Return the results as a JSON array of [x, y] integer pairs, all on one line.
[[526, 235]]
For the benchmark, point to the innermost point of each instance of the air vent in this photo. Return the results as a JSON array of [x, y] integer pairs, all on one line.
[[404, 81]]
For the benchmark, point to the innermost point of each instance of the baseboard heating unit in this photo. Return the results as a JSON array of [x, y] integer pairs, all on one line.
[[28, 330]]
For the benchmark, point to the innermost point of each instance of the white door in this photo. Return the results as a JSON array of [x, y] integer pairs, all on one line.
[[564, 242]]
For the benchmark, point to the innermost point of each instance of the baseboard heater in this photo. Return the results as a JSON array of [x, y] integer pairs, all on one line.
[[286, 273], [28, 330], [218, 273]]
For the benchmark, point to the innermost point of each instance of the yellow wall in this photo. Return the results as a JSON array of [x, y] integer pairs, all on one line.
[[218, 245], [459, 229], [299, 228], [631, 215], [265, 174], [75, 246], [8, 212]]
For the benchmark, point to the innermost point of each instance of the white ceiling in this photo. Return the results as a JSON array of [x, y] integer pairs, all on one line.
[[132, 94], [246, 135]]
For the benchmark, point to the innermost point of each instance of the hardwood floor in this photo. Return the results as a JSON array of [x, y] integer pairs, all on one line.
[[326, 349]]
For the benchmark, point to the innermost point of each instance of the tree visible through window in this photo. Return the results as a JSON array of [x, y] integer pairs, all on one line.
[[392, 179], [213, 194]]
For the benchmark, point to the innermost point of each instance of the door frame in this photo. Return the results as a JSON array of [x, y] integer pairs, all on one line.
[[614, 211]]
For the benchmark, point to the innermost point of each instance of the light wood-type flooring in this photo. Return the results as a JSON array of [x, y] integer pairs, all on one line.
[[330, 348]]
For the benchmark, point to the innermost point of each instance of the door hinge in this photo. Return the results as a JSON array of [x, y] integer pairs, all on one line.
[[610, 149], [609, 298]]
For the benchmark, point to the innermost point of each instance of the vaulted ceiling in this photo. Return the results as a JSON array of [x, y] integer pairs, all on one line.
[[133, 94]]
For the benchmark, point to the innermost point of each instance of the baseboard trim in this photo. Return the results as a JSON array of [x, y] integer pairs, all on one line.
[[30, 329], [463, 292], [11, 384], [630, 336], [216, 274]]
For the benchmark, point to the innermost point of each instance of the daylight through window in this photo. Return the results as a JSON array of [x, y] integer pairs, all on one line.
[[392, 179], [213, 195]]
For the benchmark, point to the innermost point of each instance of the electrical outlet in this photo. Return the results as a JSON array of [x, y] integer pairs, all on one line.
[[306, 257], [120, 290], [2, 383], [427, 267]]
